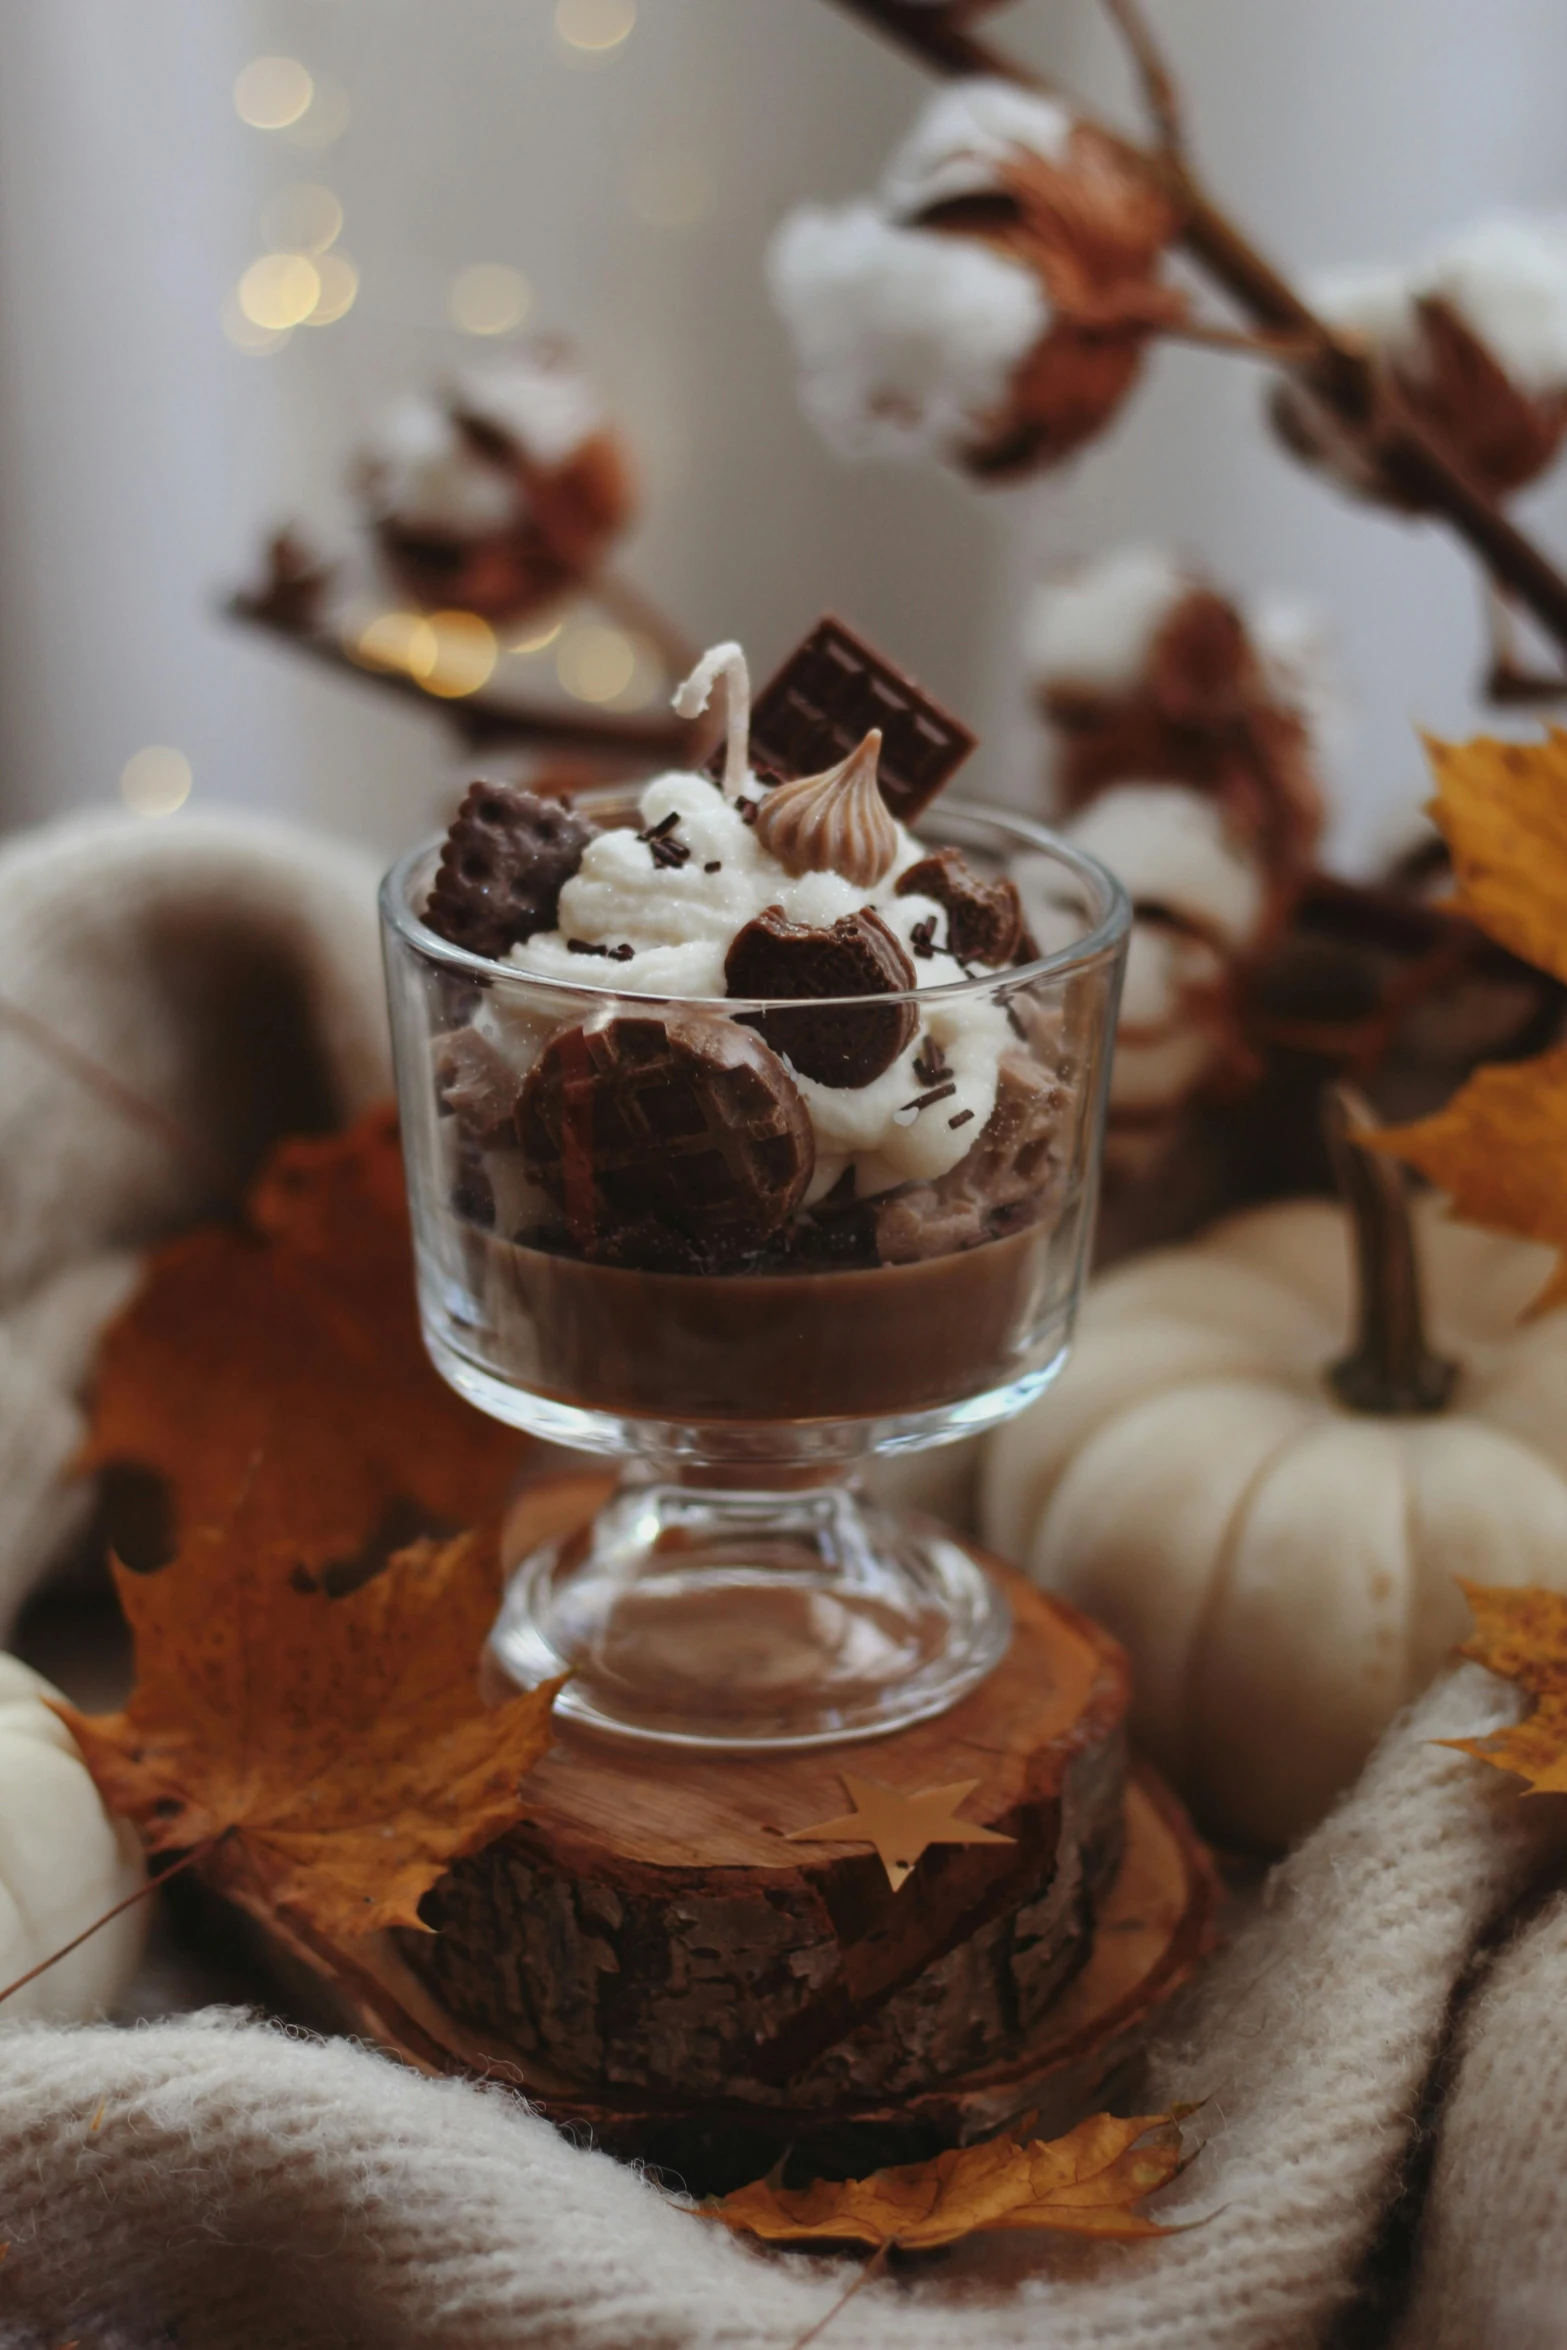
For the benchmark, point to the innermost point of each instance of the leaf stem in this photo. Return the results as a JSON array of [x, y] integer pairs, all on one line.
[[187, 1860]]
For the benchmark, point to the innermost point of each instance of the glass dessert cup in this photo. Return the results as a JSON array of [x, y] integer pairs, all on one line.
[[740, 1589]]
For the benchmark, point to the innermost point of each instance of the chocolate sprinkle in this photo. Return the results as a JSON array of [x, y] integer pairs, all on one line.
[[714, 865], [505, 862], [930, 1064], [962, 1119], [836, 1044], [586, 946], [937, 1093], [922, 938]]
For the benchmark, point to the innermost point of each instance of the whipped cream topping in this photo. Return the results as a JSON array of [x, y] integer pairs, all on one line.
[[679, 920]]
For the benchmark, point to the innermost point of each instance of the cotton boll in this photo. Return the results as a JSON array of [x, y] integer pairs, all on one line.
[[1507, 279], [1170, 847], [964, 139], [418, 466], [539, 400], [1371, 299], [906, 340], [1295, 646], [1091, 632]]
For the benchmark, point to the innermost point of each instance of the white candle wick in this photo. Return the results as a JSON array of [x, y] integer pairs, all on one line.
[[693, 695]]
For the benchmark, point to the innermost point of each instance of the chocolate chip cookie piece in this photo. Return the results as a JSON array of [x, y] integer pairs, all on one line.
[[667, 1128], [506, 860], [837, 1044], [984, 918]]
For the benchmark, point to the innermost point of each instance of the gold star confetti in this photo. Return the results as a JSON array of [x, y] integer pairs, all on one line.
[[900, 1826]]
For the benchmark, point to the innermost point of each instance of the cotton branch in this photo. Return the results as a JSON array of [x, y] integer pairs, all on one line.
[[1336, 369], [1161, 90]]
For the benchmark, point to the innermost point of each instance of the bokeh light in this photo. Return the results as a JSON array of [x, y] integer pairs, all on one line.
[[595, 663], [465, 651], [279, 290], [594, 27], [257, 342], [324, 120], [489, 298], [339, 287], [156, 781], [397, 640], [539, 638], [671, 191], [272, 92], [302, 218]]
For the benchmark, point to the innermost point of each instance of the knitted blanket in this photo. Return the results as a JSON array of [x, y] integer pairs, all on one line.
[[221, 2184]]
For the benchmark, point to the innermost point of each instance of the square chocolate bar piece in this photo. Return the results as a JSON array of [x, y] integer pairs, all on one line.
[[825, 699]]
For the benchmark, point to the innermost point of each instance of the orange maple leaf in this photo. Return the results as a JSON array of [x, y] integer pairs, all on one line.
[[334, 1752], [1521, 1634], [1084, 2184], [1499, 1147], [295, 1338]]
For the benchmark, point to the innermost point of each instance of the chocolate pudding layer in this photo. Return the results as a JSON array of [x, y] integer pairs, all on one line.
[[847, 1344]]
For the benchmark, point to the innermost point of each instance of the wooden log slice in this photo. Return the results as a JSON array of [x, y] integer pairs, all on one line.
[[1156, 1922], [649, 1929]]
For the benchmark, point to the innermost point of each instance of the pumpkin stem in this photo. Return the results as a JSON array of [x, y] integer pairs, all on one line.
[[1390, 1367]]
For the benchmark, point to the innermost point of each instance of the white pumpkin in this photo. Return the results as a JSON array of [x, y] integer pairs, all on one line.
[[1281, 1567], [64, 1861]]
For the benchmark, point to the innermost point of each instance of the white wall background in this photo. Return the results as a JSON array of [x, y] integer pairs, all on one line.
[[141, 456]]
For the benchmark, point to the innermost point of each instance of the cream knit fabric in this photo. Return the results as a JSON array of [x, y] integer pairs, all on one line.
[[225, 971], [244, 2189], [1493, 2268]]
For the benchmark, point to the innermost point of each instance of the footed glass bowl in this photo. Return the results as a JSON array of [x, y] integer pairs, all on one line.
[[739, 1590]]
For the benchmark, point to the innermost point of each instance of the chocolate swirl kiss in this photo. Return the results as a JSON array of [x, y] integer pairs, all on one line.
[[836, 822]]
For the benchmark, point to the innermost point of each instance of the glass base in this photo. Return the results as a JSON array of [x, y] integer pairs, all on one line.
[[702, 1616]]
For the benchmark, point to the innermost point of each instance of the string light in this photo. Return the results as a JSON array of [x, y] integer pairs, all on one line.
[[595, 663], [465, 651], [594, 28], [671, 191], [272, 92], [489, 298], [280, 290], [156, 781], [302, 218]]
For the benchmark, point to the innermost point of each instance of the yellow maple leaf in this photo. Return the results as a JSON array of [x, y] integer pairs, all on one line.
[[1502, 809], [1085, 2184], [1499, 1147], [1499, 1151], [334, 1753], [1521, 1635]]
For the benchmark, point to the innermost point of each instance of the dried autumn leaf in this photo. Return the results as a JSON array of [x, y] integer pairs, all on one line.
[[1499, 1147], [1499, 1151], [1084, 2184], [1502, 809], [339, 1747], [296, 1337], [1521, 1634]]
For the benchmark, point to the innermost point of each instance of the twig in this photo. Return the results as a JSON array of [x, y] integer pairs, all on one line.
[[871, 2268], [1161, 91], [1336, 370], [175, 1136], [144, 1891], [480, 719]]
